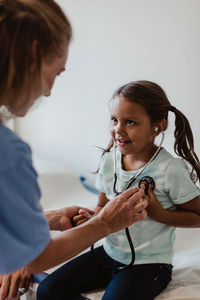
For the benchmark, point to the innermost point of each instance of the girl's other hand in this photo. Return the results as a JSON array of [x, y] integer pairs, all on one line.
[[154, 209], [83, 216]]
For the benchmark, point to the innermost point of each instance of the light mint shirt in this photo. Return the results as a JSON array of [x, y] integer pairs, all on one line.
[[153, 241]]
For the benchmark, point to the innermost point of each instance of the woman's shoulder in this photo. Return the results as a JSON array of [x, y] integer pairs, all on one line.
[[12, 149]]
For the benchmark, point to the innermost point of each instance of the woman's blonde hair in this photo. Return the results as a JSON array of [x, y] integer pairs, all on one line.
[[31, 31]]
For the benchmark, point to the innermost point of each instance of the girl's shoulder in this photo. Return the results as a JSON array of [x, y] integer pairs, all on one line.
[[169, 159], [173, 164], [107, 161]]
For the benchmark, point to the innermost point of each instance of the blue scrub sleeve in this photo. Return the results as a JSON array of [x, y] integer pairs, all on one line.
[[24, 231]]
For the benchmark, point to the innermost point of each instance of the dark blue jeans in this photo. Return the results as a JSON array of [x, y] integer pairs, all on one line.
[[86, 273]]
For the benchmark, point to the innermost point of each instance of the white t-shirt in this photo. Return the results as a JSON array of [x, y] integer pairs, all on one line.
[[153, 241]]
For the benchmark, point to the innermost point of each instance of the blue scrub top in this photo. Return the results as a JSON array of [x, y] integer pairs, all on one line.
[[24, 231]]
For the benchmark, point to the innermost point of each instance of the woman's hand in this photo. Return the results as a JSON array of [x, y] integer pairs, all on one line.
[[10, 283], [62, 219], [124, 210]]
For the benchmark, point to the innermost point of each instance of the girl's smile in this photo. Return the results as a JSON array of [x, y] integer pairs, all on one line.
[[122, 142]]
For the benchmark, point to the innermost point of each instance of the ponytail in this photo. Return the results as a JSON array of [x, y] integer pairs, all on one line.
[[184, 142]]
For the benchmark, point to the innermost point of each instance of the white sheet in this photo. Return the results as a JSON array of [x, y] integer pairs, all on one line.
[[63, 187], [185, 284]]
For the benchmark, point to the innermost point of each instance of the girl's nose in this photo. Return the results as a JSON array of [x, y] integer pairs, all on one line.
[[119, 129]]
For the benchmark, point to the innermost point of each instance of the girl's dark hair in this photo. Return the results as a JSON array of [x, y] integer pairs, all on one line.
[[154, 100]]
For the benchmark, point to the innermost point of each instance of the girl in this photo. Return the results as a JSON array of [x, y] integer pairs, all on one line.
[[139, 113]]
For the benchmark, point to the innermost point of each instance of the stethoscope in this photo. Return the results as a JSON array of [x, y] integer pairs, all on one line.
[[148, 182]]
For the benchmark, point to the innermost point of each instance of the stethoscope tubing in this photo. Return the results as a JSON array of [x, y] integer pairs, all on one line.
[[139, 172]]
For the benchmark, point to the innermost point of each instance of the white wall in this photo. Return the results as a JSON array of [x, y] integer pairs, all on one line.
[[116, 42]]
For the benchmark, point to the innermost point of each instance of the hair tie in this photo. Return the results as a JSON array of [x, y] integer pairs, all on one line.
[[172, 108]]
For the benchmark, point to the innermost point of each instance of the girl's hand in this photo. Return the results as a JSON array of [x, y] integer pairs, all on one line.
[[10, 283], [154, 209], [83, 216]]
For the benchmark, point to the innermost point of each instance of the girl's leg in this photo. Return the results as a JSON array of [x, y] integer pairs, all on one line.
[[140, 282], [79, 275]]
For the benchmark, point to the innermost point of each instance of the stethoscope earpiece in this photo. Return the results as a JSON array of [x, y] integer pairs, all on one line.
[[147, 180]]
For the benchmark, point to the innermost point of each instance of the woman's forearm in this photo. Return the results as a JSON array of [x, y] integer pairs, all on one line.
[[68, 244], [119, 213]]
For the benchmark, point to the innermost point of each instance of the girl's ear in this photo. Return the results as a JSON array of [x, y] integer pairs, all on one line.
[[158, 127]]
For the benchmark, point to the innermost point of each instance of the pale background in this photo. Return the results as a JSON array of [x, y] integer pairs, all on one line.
[[116, 42]]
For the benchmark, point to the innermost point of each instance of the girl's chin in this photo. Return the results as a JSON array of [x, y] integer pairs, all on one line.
[[124, 145], [124, 150]]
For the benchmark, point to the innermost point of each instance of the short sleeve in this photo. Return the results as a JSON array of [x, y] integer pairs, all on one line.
[[178, 183], [24, 231]]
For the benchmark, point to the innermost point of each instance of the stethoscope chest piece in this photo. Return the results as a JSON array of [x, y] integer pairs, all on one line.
[[148, 181]]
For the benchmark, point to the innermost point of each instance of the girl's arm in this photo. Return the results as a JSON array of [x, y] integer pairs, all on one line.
[[84, 215], [186, 215], [101, 202]]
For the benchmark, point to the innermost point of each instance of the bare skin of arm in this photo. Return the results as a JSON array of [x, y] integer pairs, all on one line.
[[186, 215], [114, 216], [85, 215]]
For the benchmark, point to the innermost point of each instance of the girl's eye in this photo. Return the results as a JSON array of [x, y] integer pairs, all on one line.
[[114, 120], [129, 122]]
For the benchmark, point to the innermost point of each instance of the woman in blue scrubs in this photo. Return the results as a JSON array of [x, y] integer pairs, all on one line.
[[34, 40]]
